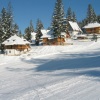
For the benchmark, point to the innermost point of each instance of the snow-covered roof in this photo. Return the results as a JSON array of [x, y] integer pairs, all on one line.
[[15, 40], [75, 26], [47, 34], [27, 42], [92, 25], [33, 36], [33, 33]]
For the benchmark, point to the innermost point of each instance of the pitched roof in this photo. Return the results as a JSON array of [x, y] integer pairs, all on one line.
[[27, 42], [46, 33], [74, 26], [14, 40], [92, 25]]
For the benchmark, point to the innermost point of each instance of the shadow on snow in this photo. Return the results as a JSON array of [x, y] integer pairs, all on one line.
[[78, 64]]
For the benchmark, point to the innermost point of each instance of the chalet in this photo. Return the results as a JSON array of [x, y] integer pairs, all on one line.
[[16, 45], [73, 29], [49, 39], [92, 28], [47, 36], [61, 39]]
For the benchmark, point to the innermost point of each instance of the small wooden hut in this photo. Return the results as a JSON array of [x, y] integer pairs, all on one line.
[[47, 37], [16, 45], [92, 28]]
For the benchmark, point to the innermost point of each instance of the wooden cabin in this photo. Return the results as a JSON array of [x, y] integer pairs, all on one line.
[[59, 40], [92, 28], [49, 39], [16, 46], [45, 41]]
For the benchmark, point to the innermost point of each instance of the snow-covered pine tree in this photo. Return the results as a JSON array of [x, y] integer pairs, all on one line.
[[7, 22], [91, 15], [15, 29], [1, 34], [39, 26], [69, 15], [4, 26], [64, 29], [58, 18], [31, 26], [28, 34]]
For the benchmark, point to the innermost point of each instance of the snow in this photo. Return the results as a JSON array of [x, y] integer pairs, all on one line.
[[33, 37], [75, 26], [92, 25], [14, 40], [26, 42], [33, 33], [47, 34], [70, 72]]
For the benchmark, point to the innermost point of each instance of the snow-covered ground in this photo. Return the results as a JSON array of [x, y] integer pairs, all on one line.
[[70, 72]]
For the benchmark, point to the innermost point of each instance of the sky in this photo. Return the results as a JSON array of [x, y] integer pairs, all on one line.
[[26, 10]]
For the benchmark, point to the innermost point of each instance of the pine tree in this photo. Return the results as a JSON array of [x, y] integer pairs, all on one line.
[[28, 34], [74, 17], [98, 18], [84, 22], [1, 33], [58, 18], [31, 26], [4, 26], [91, 15], [15, 29], [39, 26], [69, 15], [20, 34], [65, 28], [7, 22]]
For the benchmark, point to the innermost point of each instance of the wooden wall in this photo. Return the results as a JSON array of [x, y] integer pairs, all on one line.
[[55, 41], [17, 47], [93, 30]]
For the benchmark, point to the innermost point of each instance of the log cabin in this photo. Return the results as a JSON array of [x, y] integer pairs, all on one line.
[[47, 36], [92, 28], [49, 39], [16, 46]]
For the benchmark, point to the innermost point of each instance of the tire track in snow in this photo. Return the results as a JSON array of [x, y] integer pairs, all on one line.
[[46, 92]]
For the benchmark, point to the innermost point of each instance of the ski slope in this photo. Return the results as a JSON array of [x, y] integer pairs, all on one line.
[[70, 72]]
